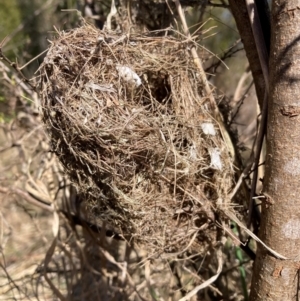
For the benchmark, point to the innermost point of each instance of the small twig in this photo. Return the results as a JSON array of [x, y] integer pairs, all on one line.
[[28, 63], [221, 58], [240, 103], [50, 253], [232, 216], [152, 289], [238, 242], [257, 151], [259, 40], [123, 268], [19, 82], [26, 196], [243, 78], [210, 280], [264, 59], [242, 176], [12, 282], [113, 11], [199, 278], [15, 66], [223, 5], [207, 89]]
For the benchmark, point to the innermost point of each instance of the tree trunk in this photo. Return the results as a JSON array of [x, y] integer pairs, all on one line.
[[275, 279]]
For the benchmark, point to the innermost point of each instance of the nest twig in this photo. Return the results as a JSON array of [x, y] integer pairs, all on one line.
[[128, 118]]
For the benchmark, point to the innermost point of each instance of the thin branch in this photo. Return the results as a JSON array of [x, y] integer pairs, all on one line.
[[27, 197], [223, 5], [244, 77], [15, 66], [36, 57], [210, 280], [199, 278], [207, 89], [264, 59], [240, 103], [259, 39], [227, 54], [257, 151], [233, 217]]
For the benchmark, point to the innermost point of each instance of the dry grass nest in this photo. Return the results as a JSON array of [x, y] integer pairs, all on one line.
[[128, 119]]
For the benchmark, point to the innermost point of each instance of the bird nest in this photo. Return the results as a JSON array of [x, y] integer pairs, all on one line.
[[129, 120]]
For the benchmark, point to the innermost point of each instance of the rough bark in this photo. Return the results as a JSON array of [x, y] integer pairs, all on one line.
[[240, 14], [275, 279]]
